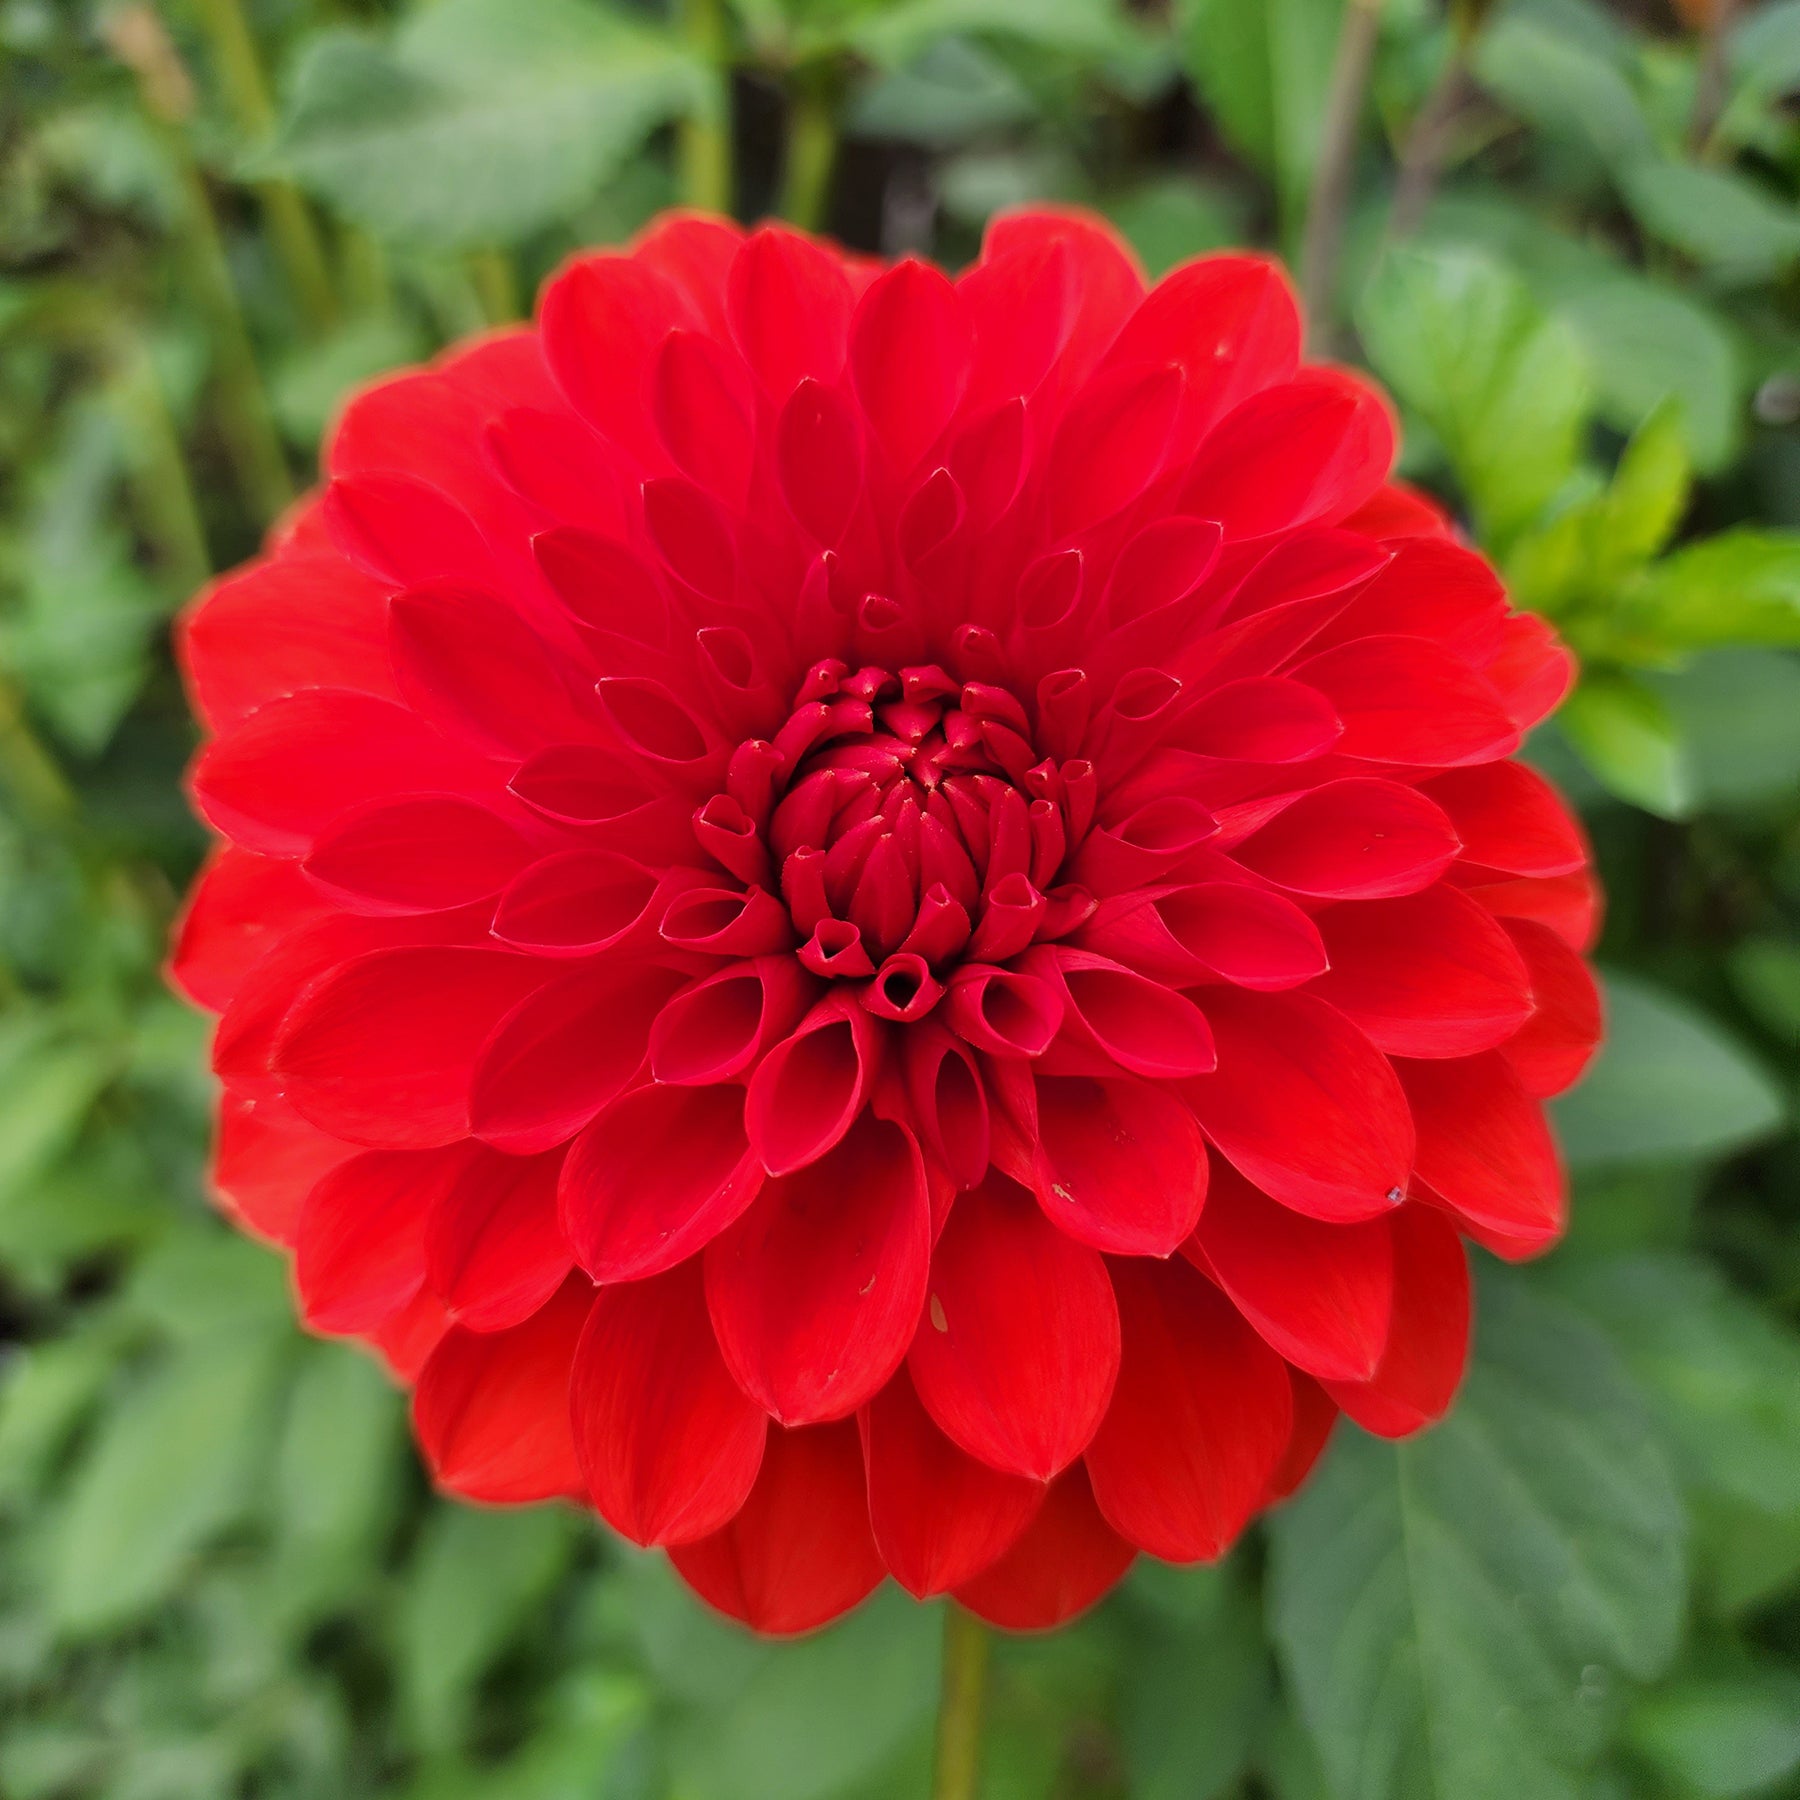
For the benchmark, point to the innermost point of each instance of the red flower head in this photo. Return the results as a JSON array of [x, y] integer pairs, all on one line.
[[880, 923]]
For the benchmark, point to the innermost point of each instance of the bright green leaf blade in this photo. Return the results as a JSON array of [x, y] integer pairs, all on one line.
[[1453, 1610], [1723, 1738], [1740, 230], [1628, 737], [1668, 1084]]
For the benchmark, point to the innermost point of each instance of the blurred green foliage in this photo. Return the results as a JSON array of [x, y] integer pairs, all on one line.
[[1566, 235]]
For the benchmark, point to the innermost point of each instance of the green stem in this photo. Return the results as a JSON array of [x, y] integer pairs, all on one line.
[[167, 510], [292, 227], [246, 422], [41, 788], [496, 285], [1712, 79], [705, 139], [957, 1771], [811, 155], [367, 284], [1323, 237]]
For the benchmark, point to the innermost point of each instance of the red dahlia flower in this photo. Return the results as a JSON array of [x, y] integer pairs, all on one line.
[[880, 923]]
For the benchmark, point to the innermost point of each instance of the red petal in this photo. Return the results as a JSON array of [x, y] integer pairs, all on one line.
[[404, 1342], [808, 1090], [1486, 1151], [716, 1028], [1067, 1559], [816, 1289], [1356, 839], [429, 854], [1318, 1294], [1569, 905], [240, 906], [382, 1051], [1509, 817], [1533, 670], [909, 358], [575, 903], [1016, 1353], [491, 1411], [275, 627], [266, 1159], [1262, 718], [601, 319], [789, 305], [1313, 449], [277, 778], [1315, 1415], [359, 1255], [658, 1175], [704, 411], [819, 458], [939, 1517], [1198, 1422], [694, 252], [562, 1053], [800, 1552], [494, 1252], [669, 1445], [1404, 700], [471, 665], [404, 531], [1428, 1342], [1120, 1165], [1140, 1024], [1111, 445], [1554, 1047], [1304, 1105], [1428, 974]]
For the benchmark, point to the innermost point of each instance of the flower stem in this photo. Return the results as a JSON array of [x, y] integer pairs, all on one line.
[[958, 1766], [1330, 199], [704, 144], [811, 154], [1428, 139], [292, 227], [1712, 80]]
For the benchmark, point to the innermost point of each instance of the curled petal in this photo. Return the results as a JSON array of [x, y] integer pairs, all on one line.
[[799, 1551], [659, 1174], [1198, 1422], [668, 1444], [816, 1289], [1016, 1353], [808, 1090], [491, 1410], [716, 1028], [1143, 1026]]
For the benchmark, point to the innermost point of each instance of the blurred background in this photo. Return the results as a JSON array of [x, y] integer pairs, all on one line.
[[1565, 234]]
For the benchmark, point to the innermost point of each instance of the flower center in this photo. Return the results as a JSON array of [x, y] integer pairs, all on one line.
[[909, 823]]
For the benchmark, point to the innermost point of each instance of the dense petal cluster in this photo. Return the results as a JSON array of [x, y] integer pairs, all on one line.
[[880, 923]]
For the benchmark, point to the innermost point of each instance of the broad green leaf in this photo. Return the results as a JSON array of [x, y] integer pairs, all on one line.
[[1721, 1738], [1263, 67], [1668, 1084], [46, 1390], [1455, 1612], [1739, 230], [1737, 713], [207, 1278], [1629, 738], [1502, 386], [953, 91], [1645, 341], [1765, 971], [170, 1465], [474, 1580], [1564, 86], [484, 121], [1195, 1680], [1723, 1376], [894, 34], [854, 1697], [1738, 587]]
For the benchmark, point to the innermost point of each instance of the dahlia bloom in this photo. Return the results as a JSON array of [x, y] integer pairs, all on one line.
[[880, 924]]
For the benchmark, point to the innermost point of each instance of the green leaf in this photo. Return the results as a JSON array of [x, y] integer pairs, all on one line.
[[1765, 971], [476, 1577], [1567, 88], [894, 34], [855, 1697], [1502, 385], [1649, 490], [1629, 738], [46, 1390], [1668, 1084], [1739, 587], [1263, 67], [1723, 1373], [1645, 341], [1737, 713], [485, 121], [1453, 1611], [1175, 218], [1724, 1737], [1720, 218], [170, 1465]]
